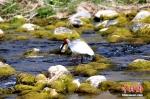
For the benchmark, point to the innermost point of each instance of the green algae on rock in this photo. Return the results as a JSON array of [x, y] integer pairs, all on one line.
[[87, 89], [6, 70], [105, 85], [25, 78], [146, 86], [139, 65]]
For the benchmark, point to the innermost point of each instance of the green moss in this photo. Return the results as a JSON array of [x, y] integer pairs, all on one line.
[[123, 21], [110, 30], [30, 53], [39, 86], [131, 15], [139, 66], [99, 58], [137, 40], [89, 26], [123, 32], [35, 95], [62, 84], [2, 37], [117, 88], [20, 38], [21, 87], [146, 86], [7, 71], [91, 68], [114, 38], [87, 88], [105, 85], [60, 24], [41, 21], [61, 37], [99, 27], [148, 96], [146, 20], [4, 26], [40, 34], [72, 87], [144, 32], [25, 78], [20, 29], [50, 27], [85, 20]]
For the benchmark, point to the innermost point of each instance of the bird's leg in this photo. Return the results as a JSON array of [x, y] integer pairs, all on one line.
[[74, 61], [81, 58]]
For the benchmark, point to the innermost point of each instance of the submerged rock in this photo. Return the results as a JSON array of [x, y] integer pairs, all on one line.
[[32, 53], [96, 80]]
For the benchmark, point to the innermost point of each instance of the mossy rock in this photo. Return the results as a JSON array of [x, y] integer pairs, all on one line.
[[19, 38], [123, 21], [87, 89], [2, 37], [139, 66], [41, 34], [143, 32], [85, 20], [39, 86], [114, 38], [20, 29], [99, 58], [131, 15], [20, 87], [148, 96], [72, 88], [105, 85], [41, 21], [98, 27], [85, 70], [6, 70], [109, 31], [30, 54], [4, 26], [91, 69], [61, 85], [35, 95], [60, 24], [137, 40], [146, 86], [117, 88], [61, 37], [25, 78], [146, 20], [50, 27]]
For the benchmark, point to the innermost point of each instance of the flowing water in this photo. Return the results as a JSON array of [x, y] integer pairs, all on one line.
[[121, 54]]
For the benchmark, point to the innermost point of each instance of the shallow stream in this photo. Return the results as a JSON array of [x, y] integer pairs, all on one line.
[[120, 53]]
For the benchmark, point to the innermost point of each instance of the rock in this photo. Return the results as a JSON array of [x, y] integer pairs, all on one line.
[[1, 19], [30, 26], [141, 15], [32, 53], [41, 77], [75, 22], [138, 26], [146, 86], [19, 17], [6, 70], [76, 81], [139, 65], [105, 85], [140, 60], [62, 30], [56, 72], [105, 24], [25, 78], [87, 88], [1, 32], [106, 13], [96, 80]]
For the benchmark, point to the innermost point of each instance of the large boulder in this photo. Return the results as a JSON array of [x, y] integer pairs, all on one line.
[[96, 80], [141, 15]]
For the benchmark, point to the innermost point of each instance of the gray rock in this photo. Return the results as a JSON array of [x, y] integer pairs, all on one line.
[[62, 30], [136, 27], [108, 13], [141, 15]]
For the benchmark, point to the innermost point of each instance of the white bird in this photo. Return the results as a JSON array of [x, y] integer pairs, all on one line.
[[78, 47]]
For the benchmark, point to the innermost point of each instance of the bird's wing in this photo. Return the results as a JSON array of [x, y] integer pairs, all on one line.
[[80, 47]]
